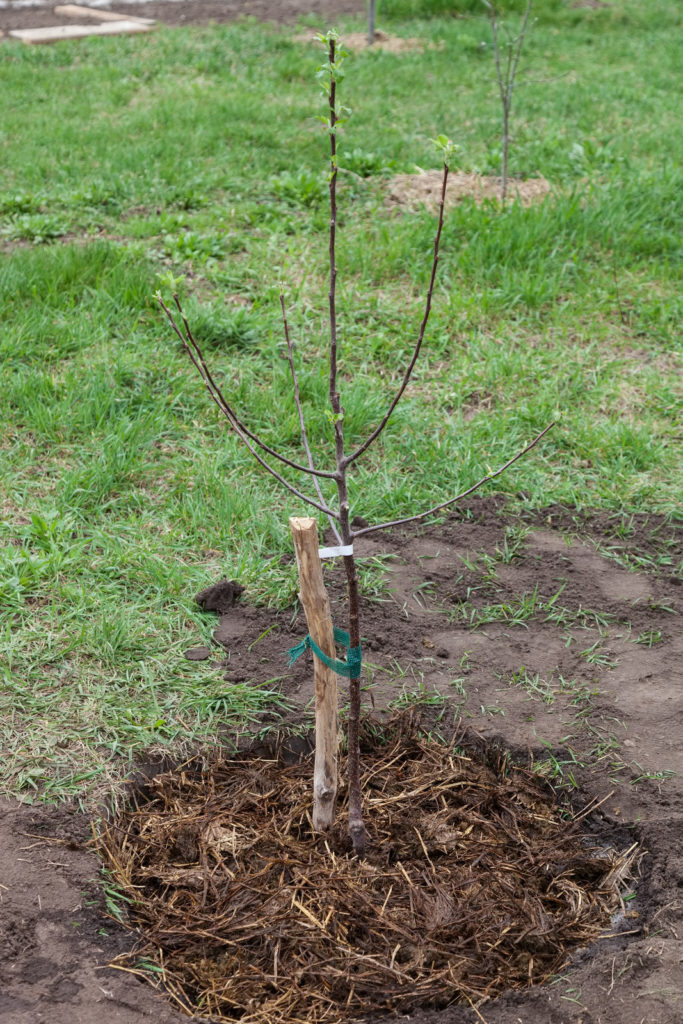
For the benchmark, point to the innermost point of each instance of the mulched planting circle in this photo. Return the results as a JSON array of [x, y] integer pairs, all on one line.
[[476, 881]]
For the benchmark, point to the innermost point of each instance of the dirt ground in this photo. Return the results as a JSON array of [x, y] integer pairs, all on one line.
[[591, 679], [15, 14], [416, 190]]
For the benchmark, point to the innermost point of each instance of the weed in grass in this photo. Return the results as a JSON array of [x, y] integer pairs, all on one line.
[[459, 687], [584, 618], [488, 564], [646, 776], [519, 611], [373, 576], [198, 247], [238, 705], [537, 688], [491, 710], [300, 188], [513, 544], [115, 901], [366, 164], [649, 638], [559, 770], [218, 326], [418, 697], [581, 694], [35, 227], [635, 562], [514, 613], [604, 746], [597, 655], [424, 594]]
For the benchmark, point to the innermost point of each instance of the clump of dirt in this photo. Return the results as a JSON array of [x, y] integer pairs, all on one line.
[[424, 189], [220, 597], [475, 883]]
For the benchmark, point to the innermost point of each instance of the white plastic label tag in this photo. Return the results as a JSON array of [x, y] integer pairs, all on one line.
[[335, 552]]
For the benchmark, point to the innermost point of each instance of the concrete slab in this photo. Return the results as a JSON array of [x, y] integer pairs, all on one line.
[[38, 36]]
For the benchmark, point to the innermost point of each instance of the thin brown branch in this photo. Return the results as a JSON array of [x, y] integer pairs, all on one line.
[[520, 43], [335, 399], [334, 396], [190, 343], [333, 230], [493, 17], [302, 422], [235, 423], [458, 497], [418, 345]]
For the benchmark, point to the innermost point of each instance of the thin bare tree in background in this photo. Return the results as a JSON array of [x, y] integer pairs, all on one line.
[[506, 72], [338, 513], [371, 22]]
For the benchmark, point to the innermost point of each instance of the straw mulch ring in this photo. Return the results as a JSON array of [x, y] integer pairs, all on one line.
[[424, 189], [475, 882]]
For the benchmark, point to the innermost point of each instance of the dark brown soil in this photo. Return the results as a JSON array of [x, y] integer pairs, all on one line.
[[591, 702], [186, 12]]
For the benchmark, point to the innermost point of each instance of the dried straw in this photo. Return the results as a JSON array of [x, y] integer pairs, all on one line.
[[475, 883]]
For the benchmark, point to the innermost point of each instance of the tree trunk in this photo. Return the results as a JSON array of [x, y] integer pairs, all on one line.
[[371, 23], [356, 826]]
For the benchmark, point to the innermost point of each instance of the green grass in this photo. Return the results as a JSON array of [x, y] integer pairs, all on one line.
[[194, 156]]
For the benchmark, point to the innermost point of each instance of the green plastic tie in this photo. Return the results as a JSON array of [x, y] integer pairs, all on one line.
[[349, 668]]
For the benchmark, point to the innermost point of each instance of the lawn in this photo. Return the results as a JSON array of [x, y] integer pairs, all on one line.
[[192, 159]]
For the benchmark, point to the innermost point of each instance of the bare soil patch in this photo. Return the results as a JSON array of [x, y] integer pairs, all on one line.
[[356, 42], [182, 12], [424, 189], [603, 717]]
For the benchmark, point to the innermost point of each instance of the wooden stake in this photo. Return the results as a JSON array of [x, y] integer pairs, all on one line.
[[316, 606]]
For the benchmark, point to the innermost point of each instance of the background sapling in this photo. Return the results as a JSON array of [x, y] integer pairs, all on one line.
[[371, 22], [507, 60]]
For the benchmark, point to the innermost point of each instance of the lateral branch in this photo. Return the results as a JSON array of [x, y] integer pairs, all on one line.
[[418, 345], [245, 435], [451, 501]]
